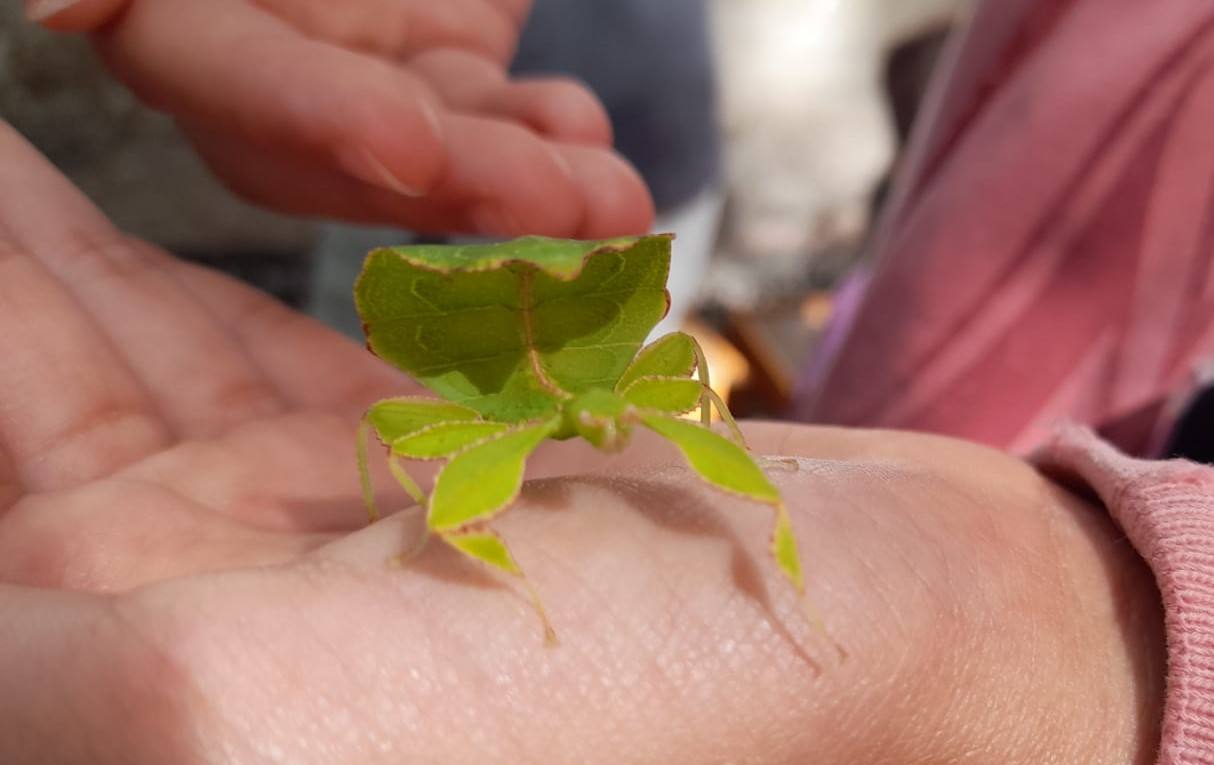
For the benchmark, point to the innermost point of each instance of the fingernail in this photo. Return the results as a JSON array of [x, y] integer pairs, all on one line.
[[364, 165], [561, 162], [431, 117], [41, 10], [494, 221]]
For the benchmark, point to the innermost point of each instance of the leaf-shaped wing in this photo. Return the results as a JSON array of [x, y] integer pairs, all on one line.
[[481, 481], [672, 355], [511, 329], [445, 438], [673, 395], [393, 418], [727, 466]]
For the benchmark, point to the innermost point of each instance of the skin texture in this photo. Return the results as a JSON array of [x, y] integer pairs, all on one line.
[[392, 111], [186, 576]]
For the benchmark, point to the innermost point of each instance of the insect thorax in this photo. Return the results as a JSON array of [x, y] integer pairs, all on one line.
[[600, 416]]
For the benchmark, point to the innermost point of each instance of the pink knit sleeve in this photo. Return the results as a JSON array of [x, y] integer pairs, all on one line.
[[1166, 509]]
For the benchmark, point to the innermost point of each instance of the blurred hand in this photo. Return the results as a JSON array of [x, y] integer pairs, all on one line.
[[393, 111], [185, 575]]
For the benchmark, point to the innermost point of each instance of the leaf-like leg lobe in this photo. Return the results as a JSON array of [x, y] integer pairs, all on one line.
[[671, 355], [670, 395], [729, 467], [443, 439], [394, 418], [487, 546], [484, 479], [784, 548]]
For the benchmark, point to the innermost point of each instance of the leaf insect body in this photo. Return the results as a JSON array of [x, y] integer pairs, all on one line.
[[530, 340]]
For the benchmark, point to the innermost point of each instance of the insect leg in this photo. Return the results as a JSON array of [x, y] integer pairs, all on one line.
[[670, 355], [393, 418], [726, 415], [670, 395], [477, 484], [486, 546], [402, 477], [709, 396], [656, 375], [727, 466], [405, 480]]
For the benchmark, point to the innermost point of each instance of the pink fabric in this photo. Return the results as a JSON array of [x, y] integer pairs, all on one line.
[[1049, 251], [1048, 254], [1167, 511]]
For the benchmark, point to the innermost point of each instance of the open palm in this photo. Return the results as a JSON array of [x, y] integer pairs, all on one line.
[[185, 576]]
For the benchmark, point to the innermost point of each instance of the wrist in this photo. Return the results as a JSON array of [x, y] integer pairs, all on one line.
[[1075, 647]]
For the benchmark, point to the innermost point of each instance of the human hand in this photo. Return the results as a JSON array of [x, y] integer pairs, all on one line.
[[391, 111], [185, 576]]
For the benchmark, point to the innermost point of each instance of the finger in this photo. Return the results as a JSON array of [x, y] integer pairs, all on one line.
[[560, 107], [310, 364], [202, 379], [294, 183], [516, 10], [71, 410], [398, 28], [523, 185], [503, 181], [617, 200], [234, 67], [199, 379], [557, 107], [70, 407], [74, 15], [195, 375]]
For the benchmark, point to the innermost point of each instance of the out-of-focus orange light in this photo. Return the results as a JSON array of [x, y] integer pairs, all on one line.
[[727, 367]]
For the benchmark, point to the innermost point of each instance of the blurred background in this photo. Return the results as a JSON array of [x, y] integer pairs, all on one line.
[[766, 129]]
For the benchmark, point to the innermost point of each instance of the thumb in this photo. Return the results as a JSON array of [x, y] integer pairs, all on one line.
[[73, 15]]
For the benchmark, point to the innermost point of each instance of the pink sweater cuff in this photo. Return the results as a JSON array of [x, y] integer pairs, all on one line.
[[1166, 509]]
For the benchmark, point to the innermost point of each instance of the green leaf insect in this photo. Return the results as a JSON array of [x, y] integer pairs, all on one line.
[[530, 340]]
